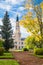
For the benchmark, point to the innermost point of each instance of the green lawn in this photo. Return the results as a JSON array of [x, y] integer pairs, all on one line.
[[18, 50], [40, 56], [8, 62], [6, 55]]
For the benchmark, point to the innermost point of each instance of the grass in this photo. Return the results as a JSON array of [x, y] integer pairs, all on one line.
[[39, 56], [18, 50], [6, 56], [8, 62]]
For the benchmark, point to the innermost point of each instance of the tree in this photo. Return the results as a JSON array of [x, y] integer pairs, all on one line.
[[34, 25], [7, 32], [31, 42], [38, 11], [1, 43]]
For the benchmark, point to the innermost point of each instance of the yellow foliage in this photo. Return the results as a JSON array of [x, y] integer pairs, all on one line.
[[42, 5], [32, 25], [38, 37]]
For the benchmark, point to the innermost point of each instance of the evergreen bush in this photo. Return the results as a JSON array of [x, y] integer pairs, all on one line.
[[38, 51]]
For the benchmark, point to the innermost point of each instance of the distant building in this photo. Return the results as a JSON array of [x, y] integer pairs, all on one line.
[[18, 41]]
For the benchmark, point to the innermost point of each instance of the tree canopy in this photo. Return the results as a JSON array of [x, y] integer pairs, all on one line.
[[32, 21]]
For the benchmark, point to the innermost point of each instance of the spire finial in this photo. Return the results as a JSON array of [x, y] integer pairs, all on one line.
[[17, 19]]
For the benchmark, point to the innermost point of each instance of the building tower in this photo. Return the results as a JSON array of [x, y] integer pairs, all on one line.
[[17, 40], [17, 31]]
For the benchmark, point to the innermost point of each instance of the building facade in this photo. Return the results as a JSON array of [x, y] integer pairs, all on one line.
[[18, 41]]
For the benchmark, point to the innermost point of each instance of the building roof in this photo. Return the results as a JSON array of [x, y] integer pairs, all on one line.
[[22, 38]]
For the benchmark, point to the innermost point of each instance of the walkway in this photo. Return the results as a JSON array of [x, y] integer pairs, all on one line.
[[25, 58]]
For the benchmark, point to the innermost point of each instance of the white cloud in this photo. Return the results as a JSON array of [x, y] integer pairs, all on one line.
[[31, 8], [4, 6], [0, 21], [24, 32], [14, 1], [13, 23], [21, 8]]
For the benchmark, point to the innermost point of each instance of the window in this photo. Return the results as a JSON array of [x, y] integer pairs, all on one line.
[[19, 47], [22, 46], [22, 42], [15, 42], [17, 27], [19, 42]]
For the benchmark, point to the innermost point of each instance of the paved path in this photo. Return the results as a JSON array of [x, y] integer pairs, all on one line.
[[25, 58]]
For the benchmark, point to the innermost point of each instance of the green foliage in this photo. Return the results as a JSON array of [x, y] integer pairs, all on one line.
[[1, 43], [6, 56], [1, 51], [38, 51], [7, 32], [25, 49], [8, 62], [30, 42]]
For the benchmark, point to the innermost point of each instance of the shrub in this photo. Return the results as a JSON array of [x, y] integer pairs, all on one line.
[[6, 56], [1, 51], [38, 51], [1, 43], [25, 49]]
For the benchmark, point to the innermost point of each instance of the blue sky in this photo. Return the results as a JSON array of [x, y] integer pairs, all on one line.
[[15, 7]]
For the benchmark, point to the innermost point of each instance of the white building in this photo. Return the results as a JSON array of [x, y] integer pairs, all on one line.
[[18, 41]]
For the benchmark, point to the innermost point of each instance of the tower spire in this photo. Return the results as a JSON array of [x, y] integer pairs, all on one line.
[[18, 33], [17, 18]]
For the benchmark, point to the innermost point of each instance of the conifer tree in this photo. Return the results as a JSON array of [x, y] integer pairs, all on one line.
[[7, 32]]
